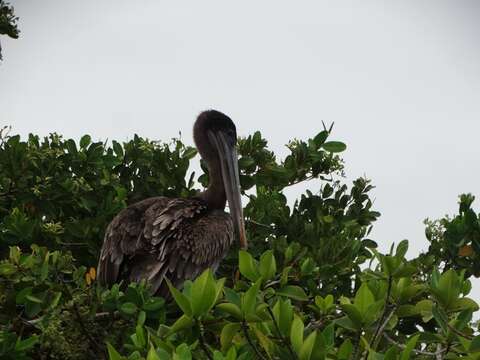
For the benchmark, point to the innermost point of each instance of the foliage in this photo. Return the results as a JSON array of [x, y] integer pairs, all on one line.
[[312, 285], [8, 22], [455, 242]]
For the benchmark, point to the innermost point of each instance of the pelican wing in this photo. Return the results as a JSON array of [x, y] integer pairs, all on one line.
[[123, 239], [174, 238]]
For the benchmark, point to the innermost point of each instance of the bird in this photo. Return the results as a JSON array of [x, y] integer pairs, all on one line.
[[177, 239]]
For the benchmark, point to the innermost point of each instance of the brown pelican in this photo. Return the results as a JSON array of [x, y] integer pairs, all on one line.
[[179, 238]]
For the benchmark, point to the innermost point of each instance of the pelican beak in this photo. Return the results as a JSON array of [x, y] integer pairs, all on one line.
[[231, 181]]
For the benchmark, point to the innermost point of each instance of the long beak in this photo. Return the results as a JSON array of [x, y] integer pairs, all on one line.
[[229, 164]]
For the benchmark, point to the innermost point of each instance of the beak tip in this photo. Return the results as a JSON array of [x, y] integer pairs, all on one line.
[[243, 242]]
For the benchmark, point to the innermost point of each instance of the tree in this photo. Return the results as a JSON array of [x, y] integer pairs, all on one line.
[[312, 286], [8, 22]]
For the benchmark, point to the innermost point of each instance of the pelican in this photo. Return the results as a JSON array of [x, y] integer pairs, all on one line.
[[178, 238]]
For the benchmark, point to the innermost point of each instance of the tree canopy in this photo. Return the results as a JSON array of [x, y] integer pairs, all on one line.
[[8, 22], [312, 285]]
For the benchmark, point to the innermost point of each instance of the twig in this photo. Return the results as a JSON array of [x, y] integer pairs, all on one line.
[[72, 243], [298, 181], [357, 346], [439, 351], [272, 282], [285, 342], [382, 322], [259, 224], [384, 325], [249, 340], [459, 333], [202, 341]]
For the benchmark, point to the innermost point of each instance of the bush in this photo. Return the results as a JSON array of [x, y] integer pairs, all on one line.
[[312, 285]]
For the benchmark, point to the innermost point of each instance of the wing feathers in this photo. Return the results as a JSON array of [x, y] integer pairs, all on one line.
[[161, 237]]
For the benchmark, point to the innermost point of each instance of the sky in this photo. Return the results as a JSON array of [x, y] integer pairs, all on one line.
[[400, 80]]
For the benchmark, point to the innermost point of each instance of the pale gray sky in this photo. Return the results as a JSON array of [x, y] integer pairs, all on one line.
[[400, 79]]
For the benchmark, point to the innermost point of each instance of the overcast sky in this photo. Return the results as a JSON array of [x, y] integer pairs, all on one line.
[[400, 79]]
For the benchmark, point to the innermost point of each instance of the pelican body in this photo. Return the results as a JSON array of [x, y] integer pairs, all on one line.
[[178, 238]]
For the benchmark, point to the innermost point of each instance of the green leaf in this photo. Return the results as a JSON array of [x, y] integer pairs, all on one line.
[[409, 347], [475, 344], [250, 299], [307, 347], [180, 299], [117, 148], [296, 334], [464, 304], [219, 290], [283, 313], [334, 146], [268, 266], [391, 354], [140, 336], [440, 317], [345, 350], [84, 141], [363, 299], [183, 322], [128, 308], [245, 162], [328, 334], [231, 354], [320, 138], [353, 314], [266, 343], [26, 344], [56, 299], [231, 309], [22, 294], [402, 249], [142, 316], [448, 289], [71, 146], [7, 269], [217, 355], [204, 293], [152, 354], [227, 334], [425, 307], [373, 312], [407, 310], [112, 353], [404, 270], [33, 299], [247, 266], [293, 291], [154, 304], [183, 352], [320, 348]]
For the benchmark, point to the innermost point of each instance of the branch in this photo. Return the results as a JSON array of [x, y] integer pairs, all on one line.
[[259, 224], [439, 351], [458, 332], [383, 326], [202, 341], [285, 342], [249, 340], [382, 323], [357, 346]]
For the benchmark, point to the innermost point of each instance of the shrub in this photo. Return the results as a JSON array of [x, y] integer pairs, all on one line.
[[312, 285]]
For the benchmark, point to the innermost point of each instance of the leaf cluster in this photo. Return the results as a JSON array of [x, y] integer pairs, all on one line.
[[8, 22]]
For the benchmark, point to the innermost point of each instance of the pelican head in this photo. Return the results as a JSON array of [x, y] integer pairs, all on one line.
[[215, 135]]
